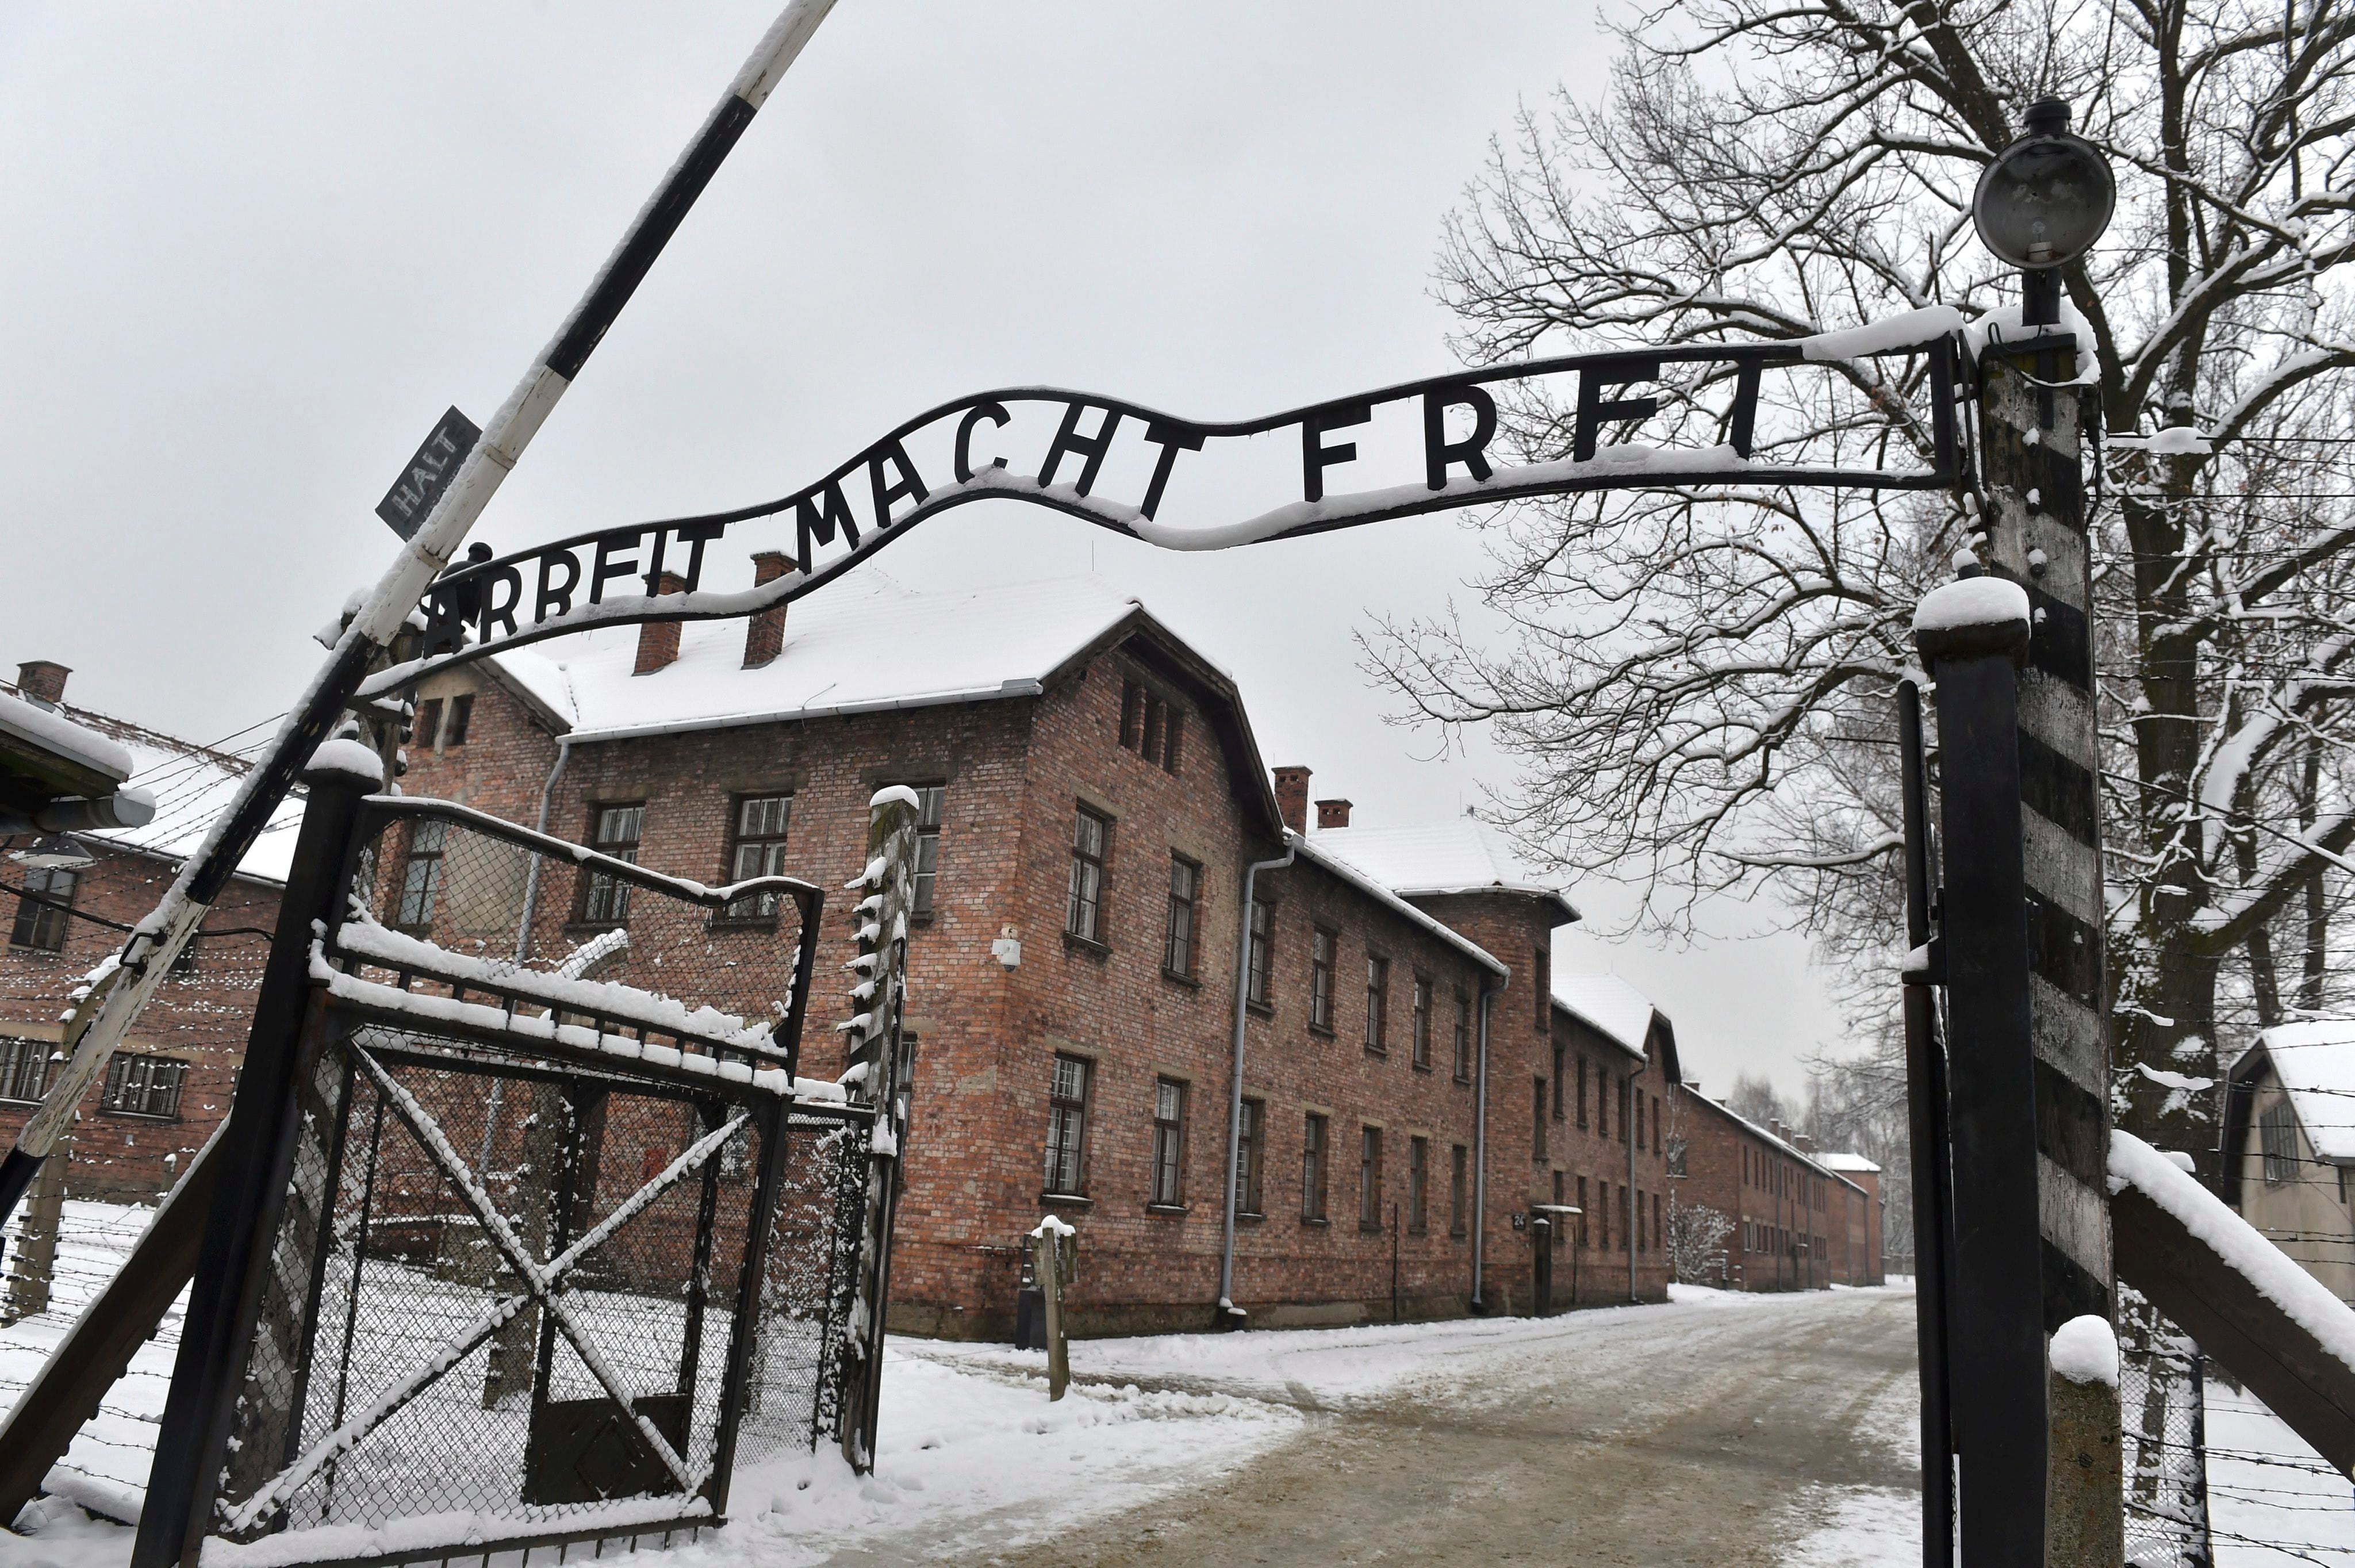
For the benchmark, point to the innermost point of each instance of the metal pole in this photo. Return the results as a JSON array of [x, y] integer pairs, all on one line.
[[1925, 1080], [1970, 635], [115, 999], [254, 1148]]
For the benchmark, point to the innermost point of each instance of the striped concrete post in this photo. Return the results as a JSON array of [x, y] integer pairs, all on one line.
[[2035, 499]]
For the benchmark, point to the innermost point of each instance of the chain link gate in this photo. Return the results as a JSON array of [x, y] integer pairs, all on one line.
[[551, 1249], [2162, 1394]]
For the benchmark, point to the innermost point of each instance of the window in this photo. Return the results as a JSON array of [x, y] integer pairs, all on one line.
[[1537, 1119], [1249, 1133], [929, 799], [1312, 1168], [2280, 1143], [1463, 1038], [1067, 1125], [1149, 724], [1623, 1206], [1378, 997], [605, 899], [1581, 1091], [1422, 1022], [1561, 1057], [420, 878], [1585, 1237], [1624, 1086], [1639, 1121], [41, 908], [1560, 1220], [1602, 1202], [426, 726], [1418, 1185], [1168, 1142], [462, 713], [1542, 993], [1084, 911], [143, 1086], [1178, 946], [1320, 979], [23, 1068], [1262, 949], [1369, 1178], [1602, 1106], [1640, 1245], [759, 851], [1460, 1169]]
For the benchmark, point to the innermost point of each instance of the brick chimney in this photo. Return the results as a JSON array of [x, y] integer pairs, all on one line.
[[764, 635], [1292, 798], [658, 640], [44, 681], [1332, 814]]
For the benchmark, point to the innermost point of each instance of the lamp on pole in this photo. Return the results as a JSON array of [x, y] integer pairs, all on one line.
[[2041, 205]]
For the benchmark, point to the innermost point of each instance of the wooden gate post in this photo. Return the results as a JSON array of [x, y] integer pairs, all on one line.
[[1969, 634], [2031, 420], [33, 1262]]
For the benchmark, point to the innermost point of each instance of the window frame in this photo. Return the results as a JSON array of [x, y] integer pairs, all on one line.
[[427, 851], [44, 916], [17, 1054], [1418, 1186], [1090, 877], [1459, 1168], [1369, 1176], [1315, 1158], [1560, 1071], [1378, 1003], [1180, 939], [2279, 1142], [1251, 1159], [1168, 1175], [1063, 1112], [598, 891], [1582, 1089], [1259, 954], [1324, 951], [425, 724], [459, 718], [932, 805], [1542, 992], [1462, 1035], [756, 909], [1538, 1118], [1420, 1053]]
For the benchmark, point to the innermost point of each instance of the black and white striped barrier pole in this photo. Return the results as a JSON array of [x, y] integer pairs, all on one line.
[[117, 992]]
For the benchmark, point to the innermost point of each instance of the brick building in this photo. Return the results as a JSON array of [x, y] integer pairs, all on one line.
[[169, 1086], [1092, 794], [1598, 1116], [1802, 1219]]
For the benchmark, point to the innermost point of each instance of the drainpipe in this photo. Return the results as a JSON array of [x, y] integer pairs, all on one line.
[[523, 933], [1480, 1153], [1628, 1124], [1228, 1315]]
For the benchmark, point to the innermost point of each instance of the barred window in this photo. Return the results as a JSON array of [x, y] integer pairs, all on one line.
[[1320, 979], [41, 908], [2274, 1128], [1422, 1022], [1262, 949], [1377, 996], [1168, 1142], [1084, 910], [1249, 1134], [420, 878], [758, 850], [1312, 1168], [1369, 1178], [1177, 944], [1067, 1125], [23, 1068], [605, 899], [143, 1086]]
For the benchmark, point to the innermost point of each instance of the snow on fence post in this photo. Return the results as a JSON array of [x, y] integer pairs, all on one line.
[[878, 1075], [1970, 634], [2032, 415]]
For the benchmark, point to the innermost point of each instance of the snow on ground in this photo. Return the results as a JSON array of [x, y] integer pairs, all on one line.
[[2272, 1500]]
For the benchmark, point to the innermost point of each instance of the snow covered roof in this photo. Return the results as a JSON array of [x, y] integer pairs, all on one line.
[[1314, 854], [1461, 856], [2315, 1061], [1846, 1162], [865, 644], [47, 731], [192, 784], [1621, 1013], [1820, 1162]]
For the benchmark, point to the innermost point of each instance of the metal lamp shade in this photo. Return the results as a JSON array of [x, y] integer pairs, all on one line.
[[2044, 202], [56, 852]]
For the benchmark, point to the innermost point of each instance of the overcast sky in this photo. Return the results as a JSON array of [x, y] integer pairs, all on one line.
[[249, 252]]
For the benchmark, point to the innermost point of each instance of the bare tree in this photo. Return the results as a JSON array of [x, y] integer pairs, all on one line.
[[1697, 1235], [1698, 681]]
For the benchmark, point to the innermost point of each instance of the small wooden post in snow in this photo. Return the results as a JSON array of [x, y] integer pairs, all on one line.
[[1049, 1242]]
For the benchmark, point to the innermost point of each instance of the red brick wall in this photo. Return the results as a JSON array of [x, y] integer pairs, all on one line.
[[1778, 1193], [1596, 1153], [201, 1018]]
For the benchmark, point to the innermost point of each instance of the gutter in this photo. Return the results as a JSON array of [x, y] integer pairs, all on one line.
[[1230, 1314], [1481, 1156], [1024, 688]]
